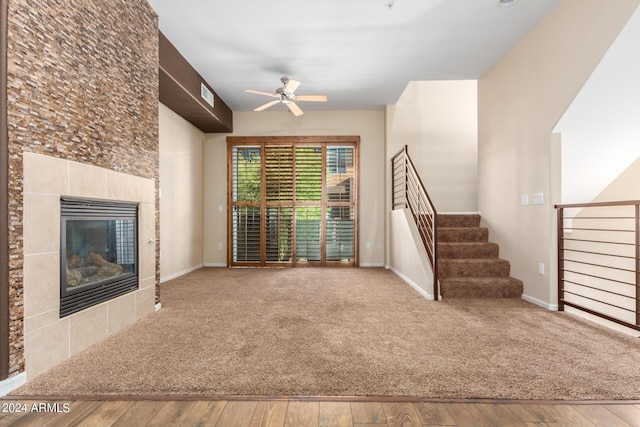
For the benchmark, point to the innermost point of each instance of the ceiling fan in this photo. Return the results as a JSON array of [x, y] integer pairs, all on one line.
[[286, 95]]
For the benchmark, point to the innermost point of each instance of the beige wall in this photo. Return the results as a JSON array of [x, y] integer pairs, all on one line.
[[606, 110], [408, 257], [181, 204], [520, 100], [624, 187], [438, 121], [369, 125]]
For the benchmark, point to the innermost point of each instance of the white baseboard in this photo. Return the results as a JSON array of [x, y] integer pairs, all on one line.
[[413, 284], [536, 301], [12, 383], [222, 264], [181, 273]]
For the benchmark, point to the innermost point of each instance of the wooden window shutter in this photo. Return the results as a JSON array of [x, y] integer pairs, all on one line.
[[293, 201]]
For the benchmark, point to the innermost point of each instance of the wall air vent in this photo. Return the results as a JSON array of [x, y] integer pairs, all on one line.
[[206, 94]]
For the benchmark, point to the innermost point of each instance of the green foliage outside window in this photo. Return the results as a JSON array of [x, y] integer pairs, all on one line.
[[247, 174]]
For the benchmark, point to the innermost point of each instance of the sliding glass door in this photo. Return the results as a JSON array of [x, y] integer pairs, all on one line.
[[292, 201]]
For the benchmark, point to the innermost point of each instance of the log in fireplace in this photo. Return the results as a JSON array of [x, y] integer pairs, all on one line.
[[98, 252]]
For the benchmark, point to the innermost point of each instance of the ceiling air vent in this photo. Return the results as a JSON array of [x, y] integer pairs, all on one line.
[[206, 94]]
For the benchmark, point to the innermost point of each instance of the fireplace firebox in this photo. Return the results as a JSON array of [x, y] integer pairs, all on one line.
[[98, 252]]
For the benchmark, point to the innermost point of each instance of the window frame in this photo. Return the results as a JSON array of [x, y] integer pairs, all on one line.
[[294, 141]]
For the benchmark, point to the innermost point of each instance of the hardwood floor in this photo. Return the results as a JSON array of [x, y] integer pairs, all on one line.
[[301, 412]]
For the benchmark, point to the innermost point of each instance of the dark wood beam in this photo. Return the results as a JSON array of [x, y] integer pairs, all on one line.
[[180, 86]]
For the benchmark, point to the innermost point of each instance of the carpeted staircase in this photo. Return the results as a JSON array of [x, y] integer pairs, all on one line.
[[468, 264]]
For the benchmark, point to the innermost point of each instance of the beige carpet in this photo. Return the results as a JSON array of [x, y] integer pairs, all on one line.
[[346, 332]]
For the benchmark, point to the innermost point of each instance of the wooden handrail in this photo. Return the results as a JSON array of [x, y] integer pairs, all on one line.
[[400, 152], [410, 193], [598, 294]]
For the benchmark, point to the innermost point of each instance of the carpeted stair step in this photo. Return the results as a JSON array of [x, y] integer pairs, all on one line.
[[480, 267], [458, 220], [468, 264], [462, 234], [466, 250], [481, 287]]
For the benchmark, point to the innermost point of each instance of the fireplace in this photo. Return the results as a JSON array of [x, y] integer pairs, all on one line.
[[98, 252]]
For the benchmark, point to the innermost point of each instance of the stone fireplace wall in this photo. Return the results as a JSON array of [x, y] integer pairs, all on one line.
[[83, 89]]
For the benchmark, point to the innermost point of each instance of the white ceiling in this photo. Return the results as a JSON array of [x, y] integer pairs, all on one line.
[[361, 53]]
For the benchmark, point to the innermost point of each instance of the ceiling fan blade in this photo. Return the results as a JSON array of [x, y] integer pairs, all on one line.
[[291, 86], [257, 92], [267, 105], [294, 109], [314, 98]]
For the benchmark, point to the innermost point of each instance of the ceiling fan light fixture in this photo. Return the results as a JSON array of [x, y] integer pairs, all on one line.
[[286, 95], [506, 3]]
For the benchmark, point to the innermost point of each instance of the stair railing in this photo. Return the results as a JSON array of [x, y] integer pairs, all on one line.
[[408, 192], [599, 260]]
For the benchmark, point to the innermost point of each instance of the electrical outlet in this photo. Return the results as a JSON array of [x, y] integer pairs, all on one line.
[[220, 246], [367, 245], [524, 200]]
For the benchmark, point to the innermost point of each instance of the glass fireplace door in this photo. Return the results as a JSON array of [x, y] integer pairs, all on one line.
[[98, 252]]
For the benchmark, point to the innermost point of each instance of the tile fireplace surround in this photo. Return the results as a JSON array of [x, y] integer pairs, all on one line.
[[49, 340]]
